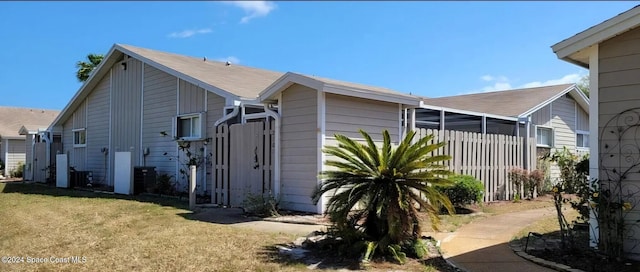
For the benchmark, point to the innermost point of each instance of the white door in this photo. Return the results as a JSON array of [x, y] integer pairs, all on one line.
[[122, 178]]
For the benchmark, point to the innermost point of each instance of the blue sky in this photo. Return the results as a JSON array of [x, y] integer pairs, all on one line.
[[427, 48]]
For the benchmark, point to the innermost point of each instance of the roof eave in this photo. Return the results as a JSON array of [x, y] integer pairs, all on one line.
[[596, 34], [87, 85], [571, 89]]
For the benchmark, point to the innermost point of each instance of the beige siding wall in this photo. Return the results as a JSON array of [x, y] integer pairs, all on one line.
[[126, 98], [299, 140], [346, 115], [98, 110], [15, 153], [619, 82], [563, 121], [159, 111]]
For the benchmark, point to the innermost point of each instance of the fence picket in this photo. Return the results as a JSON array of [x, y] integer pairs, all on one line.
[[487, 157]]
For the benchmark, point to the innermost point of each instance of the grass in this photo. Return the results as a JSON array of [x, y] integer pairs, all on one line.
[[115, 233], [146, 233]]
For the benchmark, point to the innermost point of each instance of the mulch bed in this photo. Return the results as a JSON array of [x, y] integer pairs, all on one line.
[[578, 256]]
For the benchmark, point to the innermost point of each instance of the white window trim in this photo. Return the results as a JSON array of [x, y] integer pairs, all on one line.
[[74, 137], [553, 136], [585, 133], [202, 124]]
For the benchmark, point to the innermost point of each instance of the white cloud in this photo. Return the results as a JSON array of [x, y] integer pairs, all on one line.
[[253, 9], [487, 78], [189, 32], [570, 78], [500, 83], [230, 59]]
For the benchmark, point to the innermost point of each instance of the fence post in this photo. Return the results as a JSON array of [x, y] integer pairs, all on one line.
[[192, 188]]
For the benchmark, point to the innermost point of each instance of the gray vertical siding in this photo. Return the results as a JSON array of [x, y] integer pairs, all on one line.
[[98, 110], [563, 122], [299, 140], [191, 98], [79, 161], [618, 85], [346, 115], [582, 119], [159, 111], [541, 117], [126, 95]]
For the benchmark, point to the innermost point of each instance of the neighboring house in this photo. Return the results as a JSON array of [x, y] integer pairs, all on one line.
[[140, 101], [14, 146], [555, 116], [611, 52]]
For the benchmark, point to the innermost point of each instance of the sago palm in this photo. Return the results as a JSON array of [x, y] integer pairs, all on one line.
[[379, 191]]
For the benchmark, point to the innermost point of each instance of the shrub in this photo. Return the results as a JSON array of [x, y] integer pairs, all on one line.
[[164, 185], [18, 171], [263, 205], [465, 190]]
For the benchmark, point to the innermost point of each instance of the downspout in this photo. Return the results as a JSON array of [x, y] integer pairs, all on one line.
[[276, 152], [225, 118], [33, 155], [45, 138]]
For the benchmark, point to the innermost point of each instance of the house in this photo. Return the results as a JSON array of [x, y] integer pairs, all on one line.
[[140, 106], [555, 116], [14, 146], [611, 52]]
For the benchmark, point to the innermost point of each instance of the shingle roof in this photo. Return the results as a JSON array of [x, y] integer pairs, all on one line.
[[359, 86], [236, 79], [510, 103], [13, 118]]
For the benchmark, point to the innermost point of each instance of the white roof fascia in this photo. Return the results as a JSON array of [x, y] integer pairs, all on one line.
[[287, 80], [362, 93], [598, 33], [553, 98]]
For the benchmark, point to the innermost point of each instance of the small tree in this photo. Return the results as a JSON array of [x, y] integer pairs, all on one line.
[[86, 67]]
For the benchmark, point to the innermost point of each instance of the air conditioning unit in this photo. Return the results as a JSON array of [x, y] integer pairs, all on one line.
[[143, 177]]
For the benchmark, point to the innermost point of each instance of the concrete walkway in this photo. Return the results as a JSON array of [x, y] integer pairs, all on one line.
[[482, 245], [234, 217]]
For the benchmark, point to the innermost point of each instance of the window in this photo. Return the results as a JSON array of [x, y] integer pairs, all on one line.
[[544, 136], [79, 137], [582, 139], [189, 127]]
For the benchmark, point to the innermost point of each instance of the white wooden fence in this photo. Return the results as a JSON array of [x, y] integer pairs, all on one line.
[[487, 157]]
